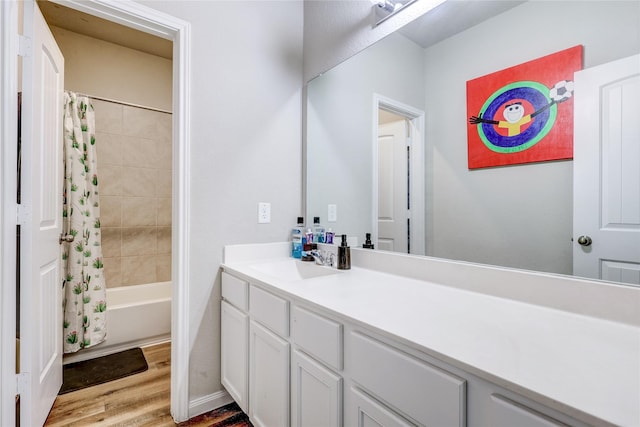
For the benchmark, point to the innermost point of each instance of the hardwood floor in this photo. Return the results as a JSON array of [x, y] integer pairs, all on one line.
[[138, 400]]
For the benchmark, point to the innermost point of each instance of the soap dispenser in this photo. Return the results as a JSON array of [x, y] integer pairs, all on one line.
[[367, 243], [344, 255]]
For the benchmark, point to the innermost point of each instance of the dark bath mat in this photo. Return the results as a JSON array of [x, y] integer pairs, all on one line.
[[103, 369]]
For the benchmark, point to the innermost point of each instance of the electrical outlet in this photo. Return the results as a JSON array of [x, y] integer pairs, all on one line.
[[332, 213], [264, 213]]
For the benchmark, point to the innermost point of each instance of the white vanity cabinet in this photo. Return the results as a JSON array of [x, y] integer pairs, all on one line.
[[268, 377], [505, 413], [234, 334], [288, 362], [316, 385], [316, 393], [423, 392], [255, 352], [364, 411], [268, 359]]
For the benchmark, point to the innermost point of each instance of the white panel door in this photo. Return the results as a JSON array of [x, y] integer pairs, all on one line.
[[607, 172], [363, 411], [234, 370], [41, 285], [393, 187], [316, 394], [268, 378]]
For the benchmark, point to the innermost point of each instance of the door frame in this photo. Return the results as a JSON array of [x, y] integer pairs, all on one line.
[[151, 21], [8, 212], [416, 119]]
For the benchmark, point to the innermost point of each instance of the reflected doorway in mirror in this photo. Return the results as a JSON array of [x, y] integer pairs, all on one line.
[[398, 168]]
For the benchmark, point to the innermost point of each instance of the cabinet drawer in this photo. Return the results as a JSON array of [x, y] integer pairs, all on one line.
[[235, 291], [319, 336], [270, 310], [424, 392], [506, 412]]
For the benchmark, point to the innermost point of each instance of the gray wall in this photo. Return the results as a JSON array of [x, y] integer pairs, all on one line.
[[340, 123], [518, 216], [247, 75], [246, 81]]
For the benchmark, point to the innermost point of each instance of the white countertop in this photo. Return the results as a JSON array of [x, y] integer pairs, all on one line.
[[585, 363]]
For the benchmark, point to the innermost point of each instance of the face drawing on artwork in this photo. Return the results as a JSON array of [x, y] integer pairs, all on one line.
[[513, 112]]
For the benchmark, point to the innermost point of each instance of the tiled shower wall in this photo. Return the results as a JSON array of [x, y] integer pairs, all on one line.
[[134, 176]]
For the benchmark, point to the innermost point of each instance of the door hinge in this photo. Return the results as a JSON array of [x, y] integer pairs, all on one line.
[[24, 46], [23, 381], [23, 214]]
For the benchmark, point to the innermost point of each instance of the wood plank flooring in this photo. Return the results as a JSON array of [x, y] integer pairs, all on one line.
[[138, 400]]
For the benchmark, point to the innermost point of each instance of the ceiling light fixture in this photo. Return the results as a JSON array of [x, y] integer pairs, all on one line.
[[384, 9]]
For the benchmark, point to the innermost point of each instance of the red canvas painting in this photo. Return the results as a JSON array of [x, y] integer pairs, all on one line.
[[524, 113]]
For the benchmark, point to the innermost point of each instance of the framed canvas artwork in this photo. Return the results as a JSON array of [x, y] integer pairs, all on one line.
[[523, 114]]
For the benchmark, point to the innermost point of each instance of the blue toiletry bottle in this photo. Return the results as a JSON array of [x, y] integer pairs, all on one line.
[[297, 237], [318, 230], [329, 236]]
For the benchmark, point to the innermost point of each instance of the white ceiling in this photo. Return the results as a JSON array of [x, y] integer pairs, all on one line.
[[92, 26], [452, 17], [446, 20]]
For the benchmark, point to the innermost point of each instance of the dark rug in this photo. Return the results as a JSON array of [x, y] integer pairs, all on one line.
[[227, 416], [103, 369]]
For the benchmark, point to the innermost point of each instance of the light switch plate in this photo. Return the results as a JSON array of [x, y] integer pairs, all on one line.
[[264, 212], [332, 213]]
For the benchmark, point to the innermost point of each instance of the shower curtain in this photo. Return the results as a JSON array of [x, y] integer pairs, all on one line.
[[83, 271]]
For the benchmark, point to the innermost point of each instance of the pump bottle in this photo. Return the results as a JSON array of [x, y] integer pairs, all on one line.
[[344, 255]]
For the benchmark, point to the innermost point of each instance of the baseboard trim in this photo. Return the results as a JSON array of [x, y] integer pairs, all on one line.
[[209, 403]]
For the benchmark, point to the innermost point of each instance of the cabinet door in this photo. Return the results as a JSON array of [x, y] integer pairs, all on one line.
[[363, 411], [235, 353], [316, 394], [268, 378]]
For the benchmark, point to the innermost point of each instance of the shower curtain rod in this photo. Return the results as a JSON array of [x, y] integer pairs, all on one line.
[[129, 104]]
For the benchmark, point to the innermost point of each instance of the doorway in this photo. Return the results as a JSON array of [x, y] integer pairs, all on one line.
[[398, 168], [126, 75], [148, 20]]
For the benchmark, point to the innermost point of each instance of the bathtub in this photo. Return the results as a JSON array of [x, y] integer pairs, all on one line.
[[137, 316]]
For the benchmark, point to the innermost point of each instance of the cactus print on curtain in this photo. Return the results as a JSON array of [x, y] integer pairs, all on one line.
[[83, 271]]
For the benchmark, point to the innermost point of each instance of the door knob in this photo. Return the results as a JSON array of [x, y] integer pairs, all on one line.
[[584, 241], [66, 238]]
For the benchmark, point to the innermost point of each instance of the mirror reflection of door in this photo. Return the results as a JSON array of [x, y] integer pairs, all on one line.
[[607, 158], [394, 156]]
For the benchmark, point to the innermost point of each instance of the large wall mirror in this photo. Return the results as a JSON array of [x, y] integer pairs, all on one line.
[[414, 81]]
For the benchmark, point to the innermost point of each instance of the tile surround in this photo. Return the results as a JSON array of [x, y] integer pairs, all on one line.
[[134, 155], [138, 181]]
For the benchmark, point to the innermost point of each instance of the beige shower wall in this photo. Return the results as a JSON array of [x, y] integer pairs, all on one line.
[[134, 177], [107, 70], [134, 153]]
